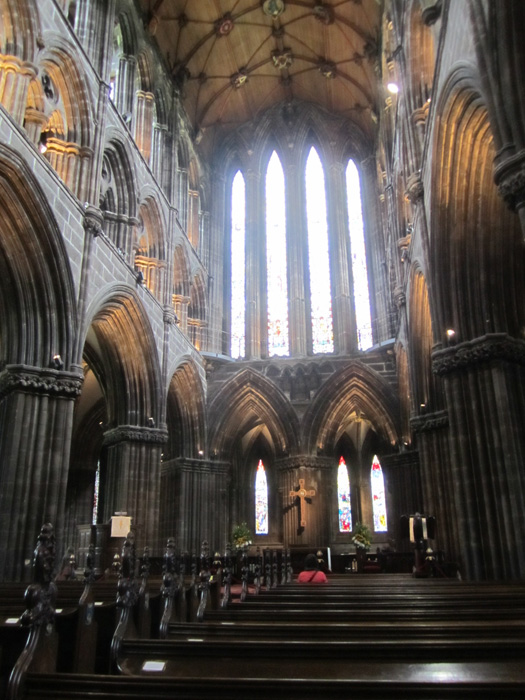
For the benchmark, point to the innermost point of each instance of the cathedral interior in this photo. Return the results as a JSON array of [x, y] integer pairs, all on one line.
[[286, 232]]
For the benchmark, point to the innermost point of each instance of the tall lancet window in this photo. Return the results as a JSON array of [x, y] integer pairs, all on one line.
[[261, 501], [276, 259], [319, 263], [343, 498], [378, 496], [238, 209], [359, 271], [96, 496]]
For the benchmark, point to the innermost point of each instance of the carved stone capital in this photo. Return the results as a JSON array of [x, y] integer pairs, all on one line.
[[9, 62], [488, 348], [33, 380], [169, 316], [400, 298], [135, 433], [429, 422], [420, 115], [414, 187], [308, 461], [509, 176], [93, 219], [196, 466]]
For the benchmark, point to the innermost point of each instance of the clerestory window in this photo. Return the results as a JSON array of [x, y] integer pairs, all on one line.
[[292, 270]]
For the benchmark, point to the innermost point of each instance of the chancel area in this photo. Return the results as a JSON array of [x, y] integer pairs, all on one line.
[[262, 287], [260, 267]]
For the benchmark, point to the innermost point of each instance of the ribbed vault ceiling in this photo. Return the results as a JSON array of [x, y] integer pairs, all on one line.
[[235, 58]]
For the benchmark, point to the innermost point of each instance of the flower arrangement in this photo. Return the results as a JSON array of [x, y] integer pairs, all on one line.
[[241, 536], [362, 537]]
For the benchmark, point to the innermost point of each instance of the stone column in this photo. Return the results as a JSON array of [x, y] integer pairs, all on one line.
[[403, 491], [345, 337], [379, 242], [194, 502], [36, 415], [158, 154], [15, 76], [182, 180], [34, 123], [144, 123], [419, 119], [132, 480], [94, 22], [431, 433], [204, 238], [125, 86], [483, 380], [193, 218], [317, 473], [509, 175], [180, 304], [218, 267]]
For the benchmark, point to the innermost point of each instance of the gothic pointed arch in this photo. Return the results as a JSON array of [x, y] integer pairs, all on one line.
[[150, 245], [197, 316], [146, 77], [181, 270], [121, 349], [119, 157], [252, 400], [426, 397], [118, 196], [87, 439], [185, 416], [37, 296], [355, 390], [480, 273], [420, 57], [60, 60], [405, 393], [19, 28]]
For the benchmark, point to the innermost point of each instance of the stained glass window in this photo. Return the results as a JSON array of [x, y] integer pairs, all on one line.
[[359, 271], [261, 501], [238, 206], [276, 259], [320, 290], [343, 497], [378, 496], [96, 495]]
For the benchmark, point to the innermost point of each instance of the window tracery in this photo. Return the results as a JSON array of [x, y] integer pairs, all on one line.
[[261, 501], [297, 282], [238, 216], [343, 498], [378, 496]]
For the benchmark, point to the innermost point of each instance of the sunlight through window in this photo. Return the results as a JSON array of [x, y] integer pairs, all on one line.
[[320, 289], [276, 259], [261, 501], [378, 496], [343, 498], [238, 269]]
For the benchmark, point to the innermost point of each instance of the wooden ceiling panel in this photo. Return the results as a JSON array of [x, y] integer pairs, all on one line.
[[232, 59]]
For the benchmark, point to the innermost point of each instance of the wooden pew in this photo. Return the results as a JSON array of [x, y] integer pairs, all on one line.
[[402, 639]]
